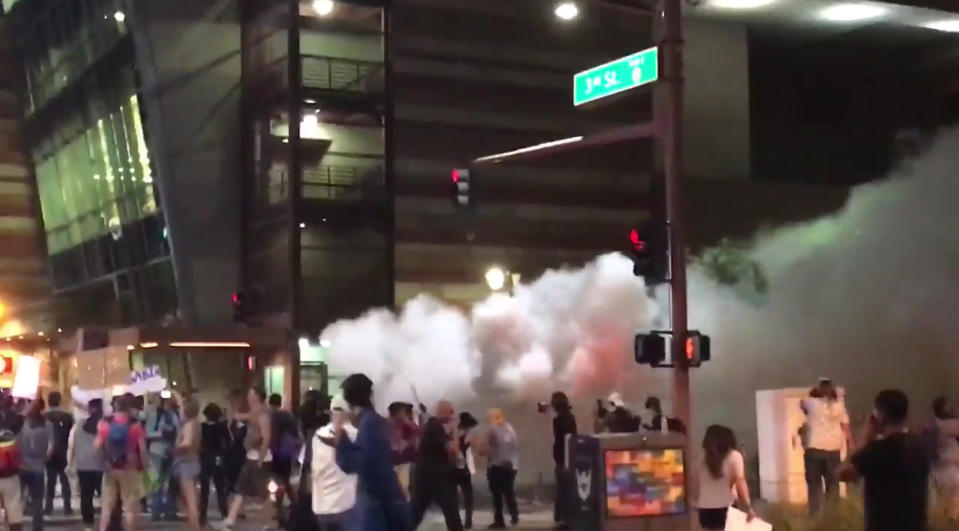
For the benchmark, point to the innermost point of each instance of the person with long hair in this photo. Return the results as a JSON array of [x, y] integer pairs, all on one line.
[[945, 470], [828, 430], [214, 445], [37, 444], [722, 472], [186, 457], [564, 427], [463, 474], [85, 460]]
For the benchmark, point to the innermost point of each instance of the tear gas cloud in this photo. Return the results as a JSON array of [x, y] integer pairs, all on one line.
[[868, 295]]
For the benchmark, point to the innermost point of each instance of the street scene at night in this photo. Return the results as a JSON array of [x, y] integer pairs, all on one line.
[[588, 265]]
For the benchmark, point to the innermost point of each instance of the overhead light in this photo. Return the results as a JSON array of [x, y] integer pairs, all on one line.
[[326, 343], [309, 101], [740, 4], [852, 12], [302, 225], [210, 344], [149, 344], [950, 26], [119, 16], [495, 278], [566, 10], [310, 120], [323, 7]]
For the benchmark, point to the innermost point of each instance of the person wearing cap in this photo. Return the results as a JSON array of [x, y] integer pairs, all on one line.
[[827, 431], [380, 504], [618, 419], [332, 491]]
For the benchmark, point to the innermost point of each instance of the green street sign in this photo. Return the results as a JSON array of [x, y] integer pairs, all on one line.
[[616, 76]]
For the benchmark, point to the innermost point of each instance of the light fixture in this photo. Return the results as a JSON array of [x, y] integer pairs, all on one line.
[[495, 278], [149, 344], [40, 334], [740, 4], [210, 344], [323, 7], [949, 25], [566, 11], [309, 101], [302, 225], [326, 343], [310, 120], [286, 140], [119, 16], [853, 12]]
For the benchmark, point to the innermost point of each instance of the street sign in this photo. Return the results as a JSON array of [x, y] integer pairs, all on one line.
[[616, 76]]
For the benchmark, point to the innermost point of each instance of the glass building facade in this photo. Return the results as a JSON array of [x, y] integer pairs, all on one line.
[[104, 224]]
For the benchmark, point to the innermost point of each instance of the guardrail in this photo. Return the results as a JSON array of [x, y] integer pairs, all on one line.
[[348, 75]]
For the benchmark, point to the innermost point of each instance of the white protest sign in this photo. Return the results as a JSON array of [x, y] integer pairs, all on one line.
[[27, 378], [736, 521]]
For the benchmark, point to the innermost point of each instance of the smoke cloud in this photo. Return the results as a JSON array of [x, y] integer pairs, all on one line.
[[868, 295]]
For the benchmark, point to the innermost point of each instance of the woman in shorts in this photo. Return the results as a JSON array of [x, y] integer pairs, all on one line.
[[186, 458], [721, 472]]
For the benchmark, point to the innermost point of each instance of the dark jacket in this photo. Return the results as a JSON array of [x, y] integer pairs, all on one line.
[[380, 504]]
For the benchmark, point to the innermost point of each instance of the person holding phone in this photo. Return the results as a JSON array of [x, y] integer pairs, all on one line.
[[893, 465]]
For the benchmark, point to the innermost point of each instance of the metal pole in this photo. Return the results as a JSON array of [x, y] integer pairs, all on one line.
[[295, 112], [670, 109]]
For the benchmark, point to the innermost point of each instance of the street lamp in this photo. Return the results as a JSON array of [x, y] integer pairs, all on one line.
[[495, 278], [566, 10], [323, 7]]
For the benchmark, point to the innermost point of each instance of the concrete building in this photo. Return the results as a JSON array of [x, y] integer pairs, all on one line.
[[170, 179]]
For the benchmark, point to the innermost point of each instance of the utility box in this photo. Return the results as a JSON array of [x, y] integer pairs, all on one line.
[[633, 482]]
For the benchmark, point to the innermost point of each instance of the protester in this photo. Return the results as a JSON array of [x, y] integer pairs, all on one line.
[[502, 464], [161, 433], [330, 491], [438, 458], [186, 458], [285, 445], [36, 447], [564, 427], [122, 441], [945, 470], [214, 446], [618, 419], [722, 473], [253, 478], [85, 459], [10, 491], [404, 435], [655, 409], [56, 466], [10, 419], [894, 468], [236, 455], [380, 505], [828, 431], [466, 467]]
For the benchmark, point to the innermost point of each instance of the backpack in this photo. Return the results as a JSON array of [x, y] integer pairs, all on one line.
[[115, 449], [9, 455]]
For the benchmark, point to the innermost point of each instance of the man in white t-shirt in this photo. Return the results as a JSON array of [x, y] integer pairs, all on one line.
[[333, 491], [828, 431]]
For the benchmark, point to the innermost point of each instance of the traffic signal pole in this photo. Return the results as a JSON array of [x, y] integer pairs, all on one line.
[[668, 113]]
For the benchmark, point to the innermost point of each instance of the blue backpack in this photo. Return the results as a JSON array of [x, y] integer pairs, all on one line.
[[115, 450]]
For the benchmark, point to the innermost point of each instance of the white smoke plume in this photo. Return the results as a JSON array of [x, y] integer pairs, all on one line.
[[868, 295]]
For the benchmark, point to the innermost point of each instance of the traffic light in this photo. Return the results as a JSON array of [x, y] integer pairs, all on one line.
[[696, 349], [462, 188], [649, 249], [239, 308], [650, 349]]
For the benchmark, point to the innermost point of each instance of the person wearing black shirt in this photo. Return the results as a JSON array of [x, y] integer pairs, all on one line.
[[893, 466], [564, 425], [214, 445], [656, 410], [57, 462], [285, 446], [435, 466]]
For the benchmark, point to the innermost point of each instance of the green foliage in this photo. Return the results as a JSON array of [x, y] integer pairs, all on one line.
[[729, 264], [839, 515]]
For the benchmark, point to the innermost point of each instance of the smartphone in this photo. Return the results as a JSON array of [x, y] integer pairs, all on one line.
[[165, 394]]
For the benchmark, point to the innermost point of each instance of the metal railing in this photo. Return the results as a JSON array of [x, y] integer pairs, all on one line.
[[348, 75], [342, 183]]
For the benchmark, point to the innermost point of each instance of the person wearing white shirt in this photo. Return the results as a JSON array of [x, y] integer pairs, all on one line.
[[828, 430], [333, 492], [722, 478]]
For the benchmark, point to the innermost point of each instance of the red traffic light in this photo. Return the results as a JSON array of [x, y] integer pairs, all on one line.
[[690, 348], [456, 176], [236, 298], [638, 242]]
